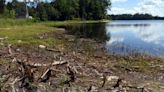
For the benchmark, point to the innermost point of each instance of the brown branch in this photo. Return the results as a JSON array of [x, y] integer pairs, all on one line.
[[46, 75], [104, 81], [9, 49], [45, 65], [13, 83]]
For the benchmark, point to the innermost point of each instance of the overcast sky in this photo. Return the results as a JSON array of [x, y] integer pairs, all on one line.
[[154, 7]]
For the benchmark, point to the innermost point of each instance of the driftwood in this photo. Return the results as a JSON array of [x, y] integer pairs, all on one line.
[[71, 73], [32, 64], [118, 84], [9, 49], [104, 81], [143, 89], [53, 50], [13, 83], [45, 76], [72, 76], [53, 64]]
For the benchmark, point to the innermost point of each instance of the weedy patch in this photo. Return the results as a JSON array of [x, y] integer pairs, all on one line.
[[26, 35]]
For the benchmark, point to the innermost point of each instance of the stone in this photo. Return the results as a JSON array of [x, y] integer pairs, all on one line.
[[19, 41], [42, 46], [110, 78]]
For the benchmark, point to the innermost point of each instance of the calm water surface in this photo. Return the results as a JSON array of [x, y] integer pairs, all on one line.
[[126, 37], [131, 37]]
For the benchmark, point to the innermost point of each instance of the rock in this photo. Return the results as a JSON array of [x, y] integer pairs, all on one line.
[[1, 43], [2, 38], [30, 17], [71, 40], [42, 46], [19, 41], [92, 89], [18, 50], [110, 78]]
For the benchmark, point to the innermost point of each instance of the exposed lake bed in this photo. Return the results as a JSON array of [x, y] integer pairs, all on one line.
[[88, 59]]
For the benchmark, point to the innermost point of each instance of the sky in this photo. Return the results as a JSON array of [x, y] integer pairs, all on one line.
[[154, 7]]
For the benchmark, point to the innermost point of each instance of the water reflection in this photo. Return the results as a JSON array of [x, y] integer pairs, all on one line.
[[96, 31], [147, 39], [125, 37]]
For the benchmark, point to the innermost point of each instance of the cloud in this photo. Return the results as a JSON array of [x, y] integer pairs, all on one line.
[[114, 40], [154, 7], [116, 10], [118, 1]]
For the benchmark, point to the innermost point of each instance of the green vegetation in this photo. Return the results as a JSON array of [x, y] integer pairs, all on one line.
[[12, 22], [135, 17], [28, 31], [56, 10], [72, 9], [21, 31], [24, 32]]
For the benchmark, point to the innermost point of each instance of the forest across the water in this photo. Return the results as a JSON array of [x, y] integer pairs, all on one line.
[[136, 16]]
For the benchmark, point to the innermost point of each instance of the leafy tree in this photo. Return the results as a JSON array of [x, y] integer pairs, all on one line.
[[93, 9], [68, 8], [57, 9], [9, 11], [2, 6], [41, 12], [52, 13]]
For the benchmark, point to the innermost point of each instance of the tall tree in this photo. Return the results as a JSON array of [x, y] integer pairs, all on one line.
[[26, 5], [93, 9], [68, 8], [41, 11], [2, 6], [58, 9]]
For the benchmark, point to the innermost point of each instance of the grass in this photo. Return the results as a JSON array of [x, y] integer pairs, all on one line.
[[27, 31], [68, 22], [24, 34], [12, 22]]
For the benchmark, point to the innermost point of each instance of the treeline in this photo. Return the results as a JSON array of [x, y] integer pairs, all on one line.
[[56, 9], [135, 17]]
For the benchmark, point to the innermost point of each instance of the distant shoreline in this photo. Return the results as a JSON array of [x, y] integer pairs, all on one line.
[[135, 17]]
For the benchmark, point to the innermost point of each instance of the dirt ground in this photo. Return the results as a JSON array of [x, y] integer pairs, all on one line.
[[76, 65]]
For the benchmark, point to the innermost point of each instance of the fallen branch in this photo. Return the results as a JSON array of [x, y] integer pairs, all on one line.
[[53, 50], [133, 87], [104, 81], [9, 49], [13, 83], [46, 75], [118, 84], [55, 63]]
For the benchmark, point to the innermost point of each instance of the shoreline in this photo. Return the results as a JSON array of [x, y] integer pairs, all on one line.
[[75, 64]]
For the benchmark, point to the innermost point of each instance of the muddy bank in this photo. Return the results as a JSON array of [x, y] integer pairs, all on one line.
[[76, 65]]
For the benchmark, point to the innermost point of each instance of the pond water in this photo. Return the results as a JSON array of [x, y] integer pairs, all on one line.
[[125, 37]]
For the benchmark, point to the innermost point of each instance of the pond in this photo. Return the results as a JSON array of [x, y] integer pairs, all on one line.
[[125, 37]]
